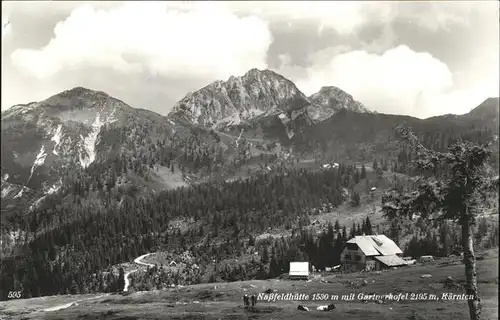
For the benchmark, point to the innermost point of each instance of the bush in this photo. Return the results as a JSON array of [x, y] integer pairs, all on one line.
[[355, 199]]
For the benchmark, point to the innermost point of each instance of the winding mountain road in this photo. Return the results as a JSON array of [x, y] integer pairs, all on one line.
[[138, 261], [125, 288]]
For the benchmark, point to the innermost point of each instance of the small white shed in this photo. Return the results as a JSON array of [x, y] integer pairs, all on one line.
[[424, 259], [299, 270]]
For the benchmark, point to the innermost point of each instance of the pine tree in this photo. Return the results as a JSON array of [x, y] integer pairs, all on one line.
[[363, 172], [384, 164], [453, 184], [357, 176], [251, 241], [261, 274], [337, 226], [368, 227], [74, 287], [101, 282], [274, 269], [337, 249], [265, 255], [355, 199], [444, 237], [121, 279], [394, 230]]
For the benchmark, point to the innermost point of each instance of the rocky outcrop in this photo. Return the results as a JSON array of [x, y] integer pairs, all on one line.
[[259, 93]]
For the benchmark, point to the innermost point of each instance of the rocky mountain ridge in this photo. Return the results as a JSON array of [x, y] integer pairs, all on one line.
[[256, 95]]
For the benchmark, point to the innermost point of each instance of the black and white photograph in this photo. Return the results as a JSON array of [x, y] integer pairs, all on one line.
[[249, 160]]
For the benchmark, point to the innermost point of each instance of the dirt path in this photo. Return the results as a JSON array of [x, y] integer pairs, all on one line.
[[138, 261], [62, 306], [74, 303]]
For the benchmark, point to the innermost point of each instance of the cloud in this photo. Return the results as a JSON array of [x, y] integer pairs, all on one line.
[[443, 15], [398, 81], [205, 41], [347, 17], [34, 8]]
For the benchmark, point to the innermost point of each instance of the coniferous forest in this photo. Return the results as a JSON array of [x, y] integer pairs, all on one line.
[[59, 259]]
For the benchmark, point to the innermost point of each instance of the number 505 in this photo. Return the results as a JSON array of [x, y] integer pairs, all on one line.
[[14, 294]]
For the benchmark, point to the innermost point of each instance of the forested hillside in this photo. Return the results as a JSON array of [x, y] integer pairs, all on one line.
[[71, 243], [74, 251], [363, 136]]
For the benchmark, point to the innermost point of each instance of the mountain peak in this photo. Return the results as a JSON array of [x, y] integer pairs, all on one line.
[[259, 71], [253, 71], [77, 104], [330, 100], [65, 97], [255, 74], [82, 92], [238, 99], [79, 98], [330, 89]]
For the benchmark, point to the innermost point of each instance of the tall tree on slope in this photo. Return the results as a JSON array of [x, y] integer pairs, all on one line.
[[451, 186]]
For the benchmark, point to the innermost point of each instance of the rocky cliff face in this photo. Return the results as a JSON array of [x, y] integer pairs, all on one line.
[[330, 100], [239, 99], [257, 95]]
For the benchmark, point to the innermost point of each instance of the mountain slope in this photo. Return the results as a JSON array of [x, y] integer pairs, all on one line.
[[361, 136], [330, 100], [62, 130], [85, 147], [487, 113], [83, 140]]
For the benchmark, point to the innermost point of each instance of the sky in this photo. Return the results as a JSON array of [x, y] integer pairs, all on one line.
[[414, 58]]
